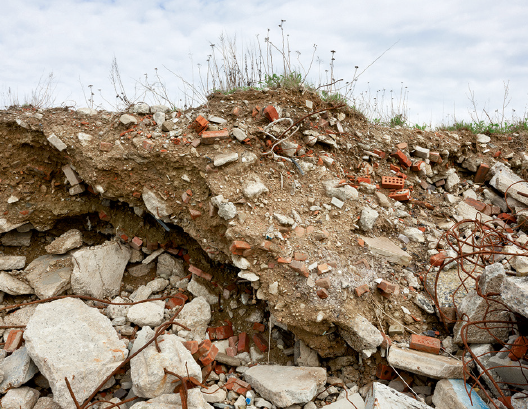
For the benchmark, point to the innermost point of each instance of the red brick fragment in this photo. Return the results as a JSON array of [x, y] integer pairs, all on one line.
[[14, 340], [271, 113], [299, 267], [204, 347], [284, 260], [385, 372], [177, 301], [209, 356], [324, 282], [322, 293], [243, 342], [238, 247], [388, 182], [437, 259], [136, 243], [194, 214], [323, 268], [482, 171], [402, 158], [300, 256], [475, 203], [231, 351], [417, 166], [402, 145], [508, 218], [425, 344], [210, 137], [364, 180], [386, 341], [103, 216], [257, 326], [401, 195], [148, 145], [192, 346], [196, 271], [381, 154], [233, 341], [220, 333], [362, 289], [260, 342], [387, 287], [200, 124], [519, 349]]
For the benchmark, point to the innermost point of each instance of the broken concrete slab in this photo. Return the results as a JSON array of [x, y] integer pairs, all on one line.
[[286, 385], [448, 282], [381, 396], [98, 270], [147, 368], [20, 398], [147, 313], [8, 263], [514, 293], [195, 400], [49, 275], [13, 286], [195, 315], [452, 393], [423, 363], [355, 398], [199, 290], [156, 206], [87, 351], [70, 240], [504, 177], [17, 369], [361, 335], [17, 239], [383, 246], [168, 266]]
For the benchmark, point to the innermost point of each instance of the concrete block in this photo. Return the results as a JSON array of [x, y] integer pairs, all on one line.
[[380, 396], [361, 335], [514, 293], [423, 363], [383, 246], [451, 393]]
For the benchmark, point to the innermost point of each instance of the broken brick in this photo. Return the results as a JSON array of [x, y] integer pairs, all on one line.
[[257, 326], [323, 282], [362, 289], [437, 259], [260, 342], [482, 171], [300, 256], [210, 137], [14, 340], [323, 268], [388, 182], [177, 301], [387, 287], [402, 145], [518, 349], [196, 271], [425, 344], [136, 243], [194, 214], [243, 342], [401, 195], [402, 158], [105, 146], [231, 351], [475, 203], [209, 356], [271, 113], [192, 346], [200, 124], [103, 216], [299, 267], [220, 333], [385, 372], [233, 341], [204, 347], [322, 293], [148, 145], [238, 247], [417, 166]]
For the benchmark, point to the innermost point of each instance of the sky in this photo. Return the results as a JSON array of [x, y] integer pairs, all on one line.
[[437, 58]]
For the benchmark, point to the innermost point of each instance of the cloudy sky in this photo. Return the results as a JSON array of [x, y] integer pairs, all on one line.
[[439, 49]]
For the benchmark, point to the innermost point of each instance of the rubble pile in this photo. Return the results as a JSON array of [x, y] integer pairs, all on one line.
[[267, 249]]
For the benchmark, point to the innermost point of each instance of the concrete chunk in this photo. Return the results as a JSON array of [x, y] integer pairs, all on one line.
[[147, 368], [225, 158], [87, 350], [56, 142], [361, 335], [17, 368], [20, 398], [12, 263], [159, 208], [504, 177], [380, 396], [514, 293], [70, 240], [16, 239], [286, 385], [385, 247], [423, 363], [147, 314], [98, 270], [13, 286], [49, 275], [451, 393]]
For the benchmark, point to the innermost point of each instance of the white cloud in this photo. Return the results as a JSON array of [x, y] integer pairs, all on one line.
[[443, 46]]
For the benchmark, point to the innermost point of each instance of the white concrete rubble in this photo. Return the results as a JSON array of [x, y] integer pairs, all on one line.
[[380, 396], [195, 400], [199, 290], [423, 363], [195, 315], [385, 247], [514, 293], [70, 240], [147, 368], [49, 275], [361, 335], [285, 385], [156, 206], [20, 398], [147, 313], [451, 394], [98, 270], [12, 263], [17, 369], [66, 338], [13, 286]]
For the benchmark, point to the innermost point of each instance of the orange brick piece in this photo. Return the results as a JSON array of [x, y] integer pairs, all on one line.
[[271, 113], [322, 293], [362, 289], [388, 182], [385, 372], [425, 344], [401, 195], [482, 171], [200, 124], [192, 346], [437, 259], [238, 247], [518, 349], [388, 288], [14, 340], [210, 137], [260, 342], [196, 271], [402, 158]]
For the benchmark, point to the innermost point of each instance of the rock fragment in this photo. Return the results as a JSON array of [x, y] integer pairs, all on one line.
[[49, 275], [423, 363], [20, 398], [87, 350], [18, 368], [382, 396], [12, 263], [70, 240], [13, 286]]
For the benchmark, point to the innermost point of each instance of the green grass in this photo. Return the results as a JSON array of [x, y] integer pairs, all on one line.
[[487, 128]]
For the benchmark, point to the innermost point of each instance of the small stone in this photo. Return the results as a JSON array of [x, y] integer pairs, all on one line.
[[337, 203], [227, 211], [70, 240], [128, 120], [147, 314], [239, 134], [56, 142], [368, 218], [13, 286], [284, 220], [12, 263], [20, 398], [167, 126], [225, 158]]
